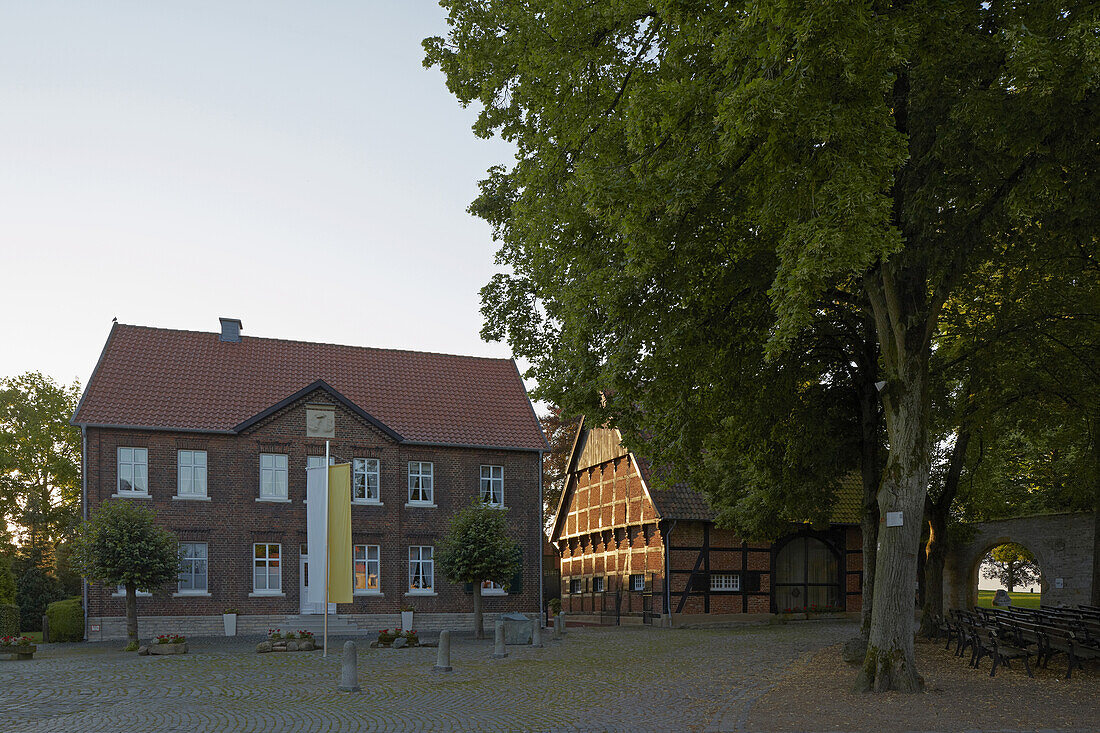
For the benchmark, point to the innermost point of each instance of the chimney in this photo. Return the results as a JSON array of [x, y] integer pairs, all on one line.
[[231, 330]]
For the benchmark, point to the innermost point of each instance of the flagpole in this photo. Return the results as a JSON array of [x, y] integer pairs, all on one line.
[[325, 652]]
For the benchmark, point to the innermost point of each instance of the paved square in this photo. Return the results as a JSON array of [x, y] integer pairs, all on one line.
[[597, 679]]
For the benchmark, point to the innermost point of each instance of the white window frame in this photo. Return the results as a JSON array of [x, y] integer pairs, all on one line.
[[130, 461], [266, 562], [599, 584], [186, 561], [120, 592], [188, 464], [424, 483], [575, 586], [275, 470], [492, 485], [423, 569], [637, 582], [366, 468], [489, 588], [362, 554], [725, 581]]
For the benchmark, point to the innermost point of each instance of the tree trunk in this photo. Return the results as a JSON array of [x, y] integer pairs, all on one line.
[[479, 626], [935, 552], [1096, 510], [890, 663], [131, 613], [871, 470]]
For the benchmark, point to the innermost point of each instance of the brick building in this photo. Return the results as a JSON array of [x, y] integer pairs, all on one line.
[[214, 431], [632, 554]]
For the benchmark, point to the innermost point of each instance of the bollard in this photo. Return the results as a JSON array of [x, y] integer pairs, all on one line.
[[564, 629], [557, 627], [349, 674], [498, 648], [45, 629], [443, 656], [536, 632]]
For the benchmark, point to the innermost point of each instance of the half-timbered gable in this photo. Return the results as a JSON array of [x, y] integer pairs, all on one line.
[[635, 551]]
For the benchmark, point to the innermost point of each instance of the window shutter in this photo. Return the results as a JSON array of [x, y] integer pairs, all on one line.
[[702, 581], [648, 586], [468, 589], [750, 581], [516, 585]]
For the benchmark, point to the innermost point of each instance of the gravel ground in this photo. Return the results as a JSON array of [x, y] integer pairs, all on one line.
[[816, 695]]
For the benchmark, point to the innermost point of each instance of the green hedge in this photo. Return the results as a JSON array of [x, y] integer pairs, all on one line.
[[66, 620], [9, 619]]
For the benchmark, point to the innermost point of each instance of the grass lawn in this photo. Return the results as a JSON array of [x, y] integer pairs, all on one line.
[[34, 636], [1023, 600]]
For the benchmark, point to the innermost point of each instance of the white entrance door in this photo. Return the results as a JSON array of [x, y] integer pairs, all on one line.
[[303, 589]]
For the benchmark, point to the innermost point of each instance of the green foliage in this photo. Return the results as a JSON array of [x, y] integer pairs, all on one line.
[[7, 580], [39, 459], [121, 544], [133, 646], [477, 547], [555, 606], [66, 620], [1011, 565], [35, 590], [68, 580], [560, 434], [9, 619]]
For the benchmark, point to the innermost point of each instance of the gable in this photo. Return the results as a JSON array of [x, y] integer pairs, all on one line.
[[291, 418]]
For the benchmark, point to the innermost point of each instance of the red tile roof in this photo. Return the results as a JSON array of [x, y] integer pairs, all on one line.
[[189, 380]]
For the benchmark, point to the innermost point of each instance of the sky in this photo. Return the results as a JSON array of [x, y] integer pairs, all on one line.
[[292, 165]]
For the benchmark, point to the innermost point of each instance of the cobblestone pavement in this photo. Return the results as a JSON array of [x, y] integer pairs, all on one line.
[[597, 679]]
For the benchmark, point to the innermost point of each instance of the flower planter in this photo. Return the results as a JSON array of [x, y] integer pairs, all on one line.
[[159, 649], [287, 645], [23, 651], [406, 620], [230, 622]]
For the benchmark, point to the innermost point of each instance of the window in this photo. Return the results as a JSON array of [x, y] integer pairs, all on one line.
[[193, 567], [319, 461], [421, 570], [191, 473], [365, 474], [267, 570], [139, 594], [574, 585], [273, 475], [133, 471], [725, 581], [598, 585], [420, 482], [489, 588], [492, 485], [366, 569], [637, 582]]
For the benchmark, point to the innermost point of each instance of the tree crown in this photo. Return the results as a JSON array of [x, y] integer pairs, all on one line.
[[477, 547], [122, 544]]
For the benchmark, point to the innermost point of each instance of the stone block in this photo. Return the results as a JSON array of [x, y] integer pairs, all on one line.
[[263, 646], [517, 628]]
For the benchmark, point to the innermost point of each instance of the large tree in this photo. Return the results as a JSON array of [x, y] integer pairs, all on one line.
[[39, 461], [693, 182], [477, 548], [122, 545], [1011, 565], [560, 434]]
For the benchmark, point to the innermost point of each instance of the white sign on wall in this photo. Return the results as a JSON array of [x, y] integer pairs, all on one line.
[[893, 519]]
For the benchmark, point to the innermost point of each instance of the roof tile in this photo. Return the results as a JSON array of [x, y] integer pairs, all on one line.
[[191, 380]]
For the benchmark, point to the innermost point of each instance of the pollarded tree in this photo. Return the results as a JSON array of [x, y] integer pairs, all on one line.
[[121, 544], [476, 549], [694, 181], [1011, 565]]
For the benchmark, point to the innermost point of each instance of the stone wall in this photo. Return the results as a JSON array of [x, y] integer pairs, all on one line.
[[114, 627], [1062, 545]]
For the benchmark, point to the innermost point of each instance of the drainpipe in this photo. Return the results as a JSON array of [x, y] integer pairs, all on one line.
[[541, 536], [84, 512], [668, 572]]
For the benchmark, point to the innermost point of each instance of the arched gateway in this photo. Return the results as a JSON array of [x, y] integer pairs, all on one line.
[[1063, 545]]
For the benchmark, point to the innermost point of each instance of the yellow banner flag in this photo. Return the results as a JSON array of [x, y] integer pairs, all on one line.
[[339, 533]]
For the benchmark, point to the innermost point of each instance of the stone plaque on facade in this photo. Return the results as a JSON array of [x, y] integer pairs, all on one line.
[[320, 422]]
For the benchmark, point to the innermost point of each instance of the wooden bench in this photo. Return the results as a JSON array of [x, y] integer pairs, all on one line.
[[1004, 650], [1064, 641]]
